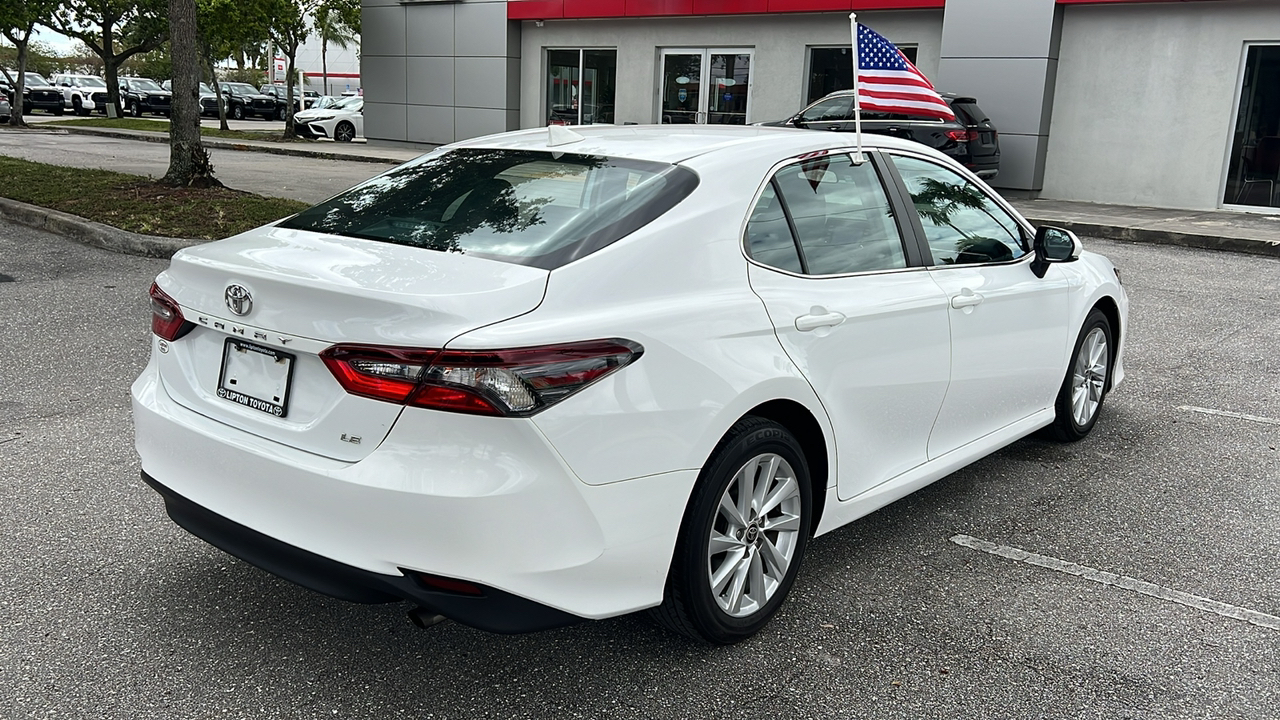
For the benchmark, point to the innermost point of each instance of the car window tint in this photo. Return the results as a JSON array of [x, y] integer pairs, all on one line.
[[841, 215], [534, 208], [829, 110], [769, 239], [963, 225]]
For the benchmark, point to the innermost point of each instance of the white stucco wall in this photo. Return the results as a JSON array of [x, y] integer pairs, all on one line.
[[1143, 110], [779, 42]]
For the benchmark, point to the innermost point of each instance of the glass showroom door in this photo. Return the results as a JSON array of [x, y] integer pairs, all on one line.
[[705, 86], [1253, 168]]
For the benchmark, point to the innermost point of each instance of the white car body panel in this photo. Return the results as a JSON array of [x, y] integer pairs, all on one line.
[[603, 477]]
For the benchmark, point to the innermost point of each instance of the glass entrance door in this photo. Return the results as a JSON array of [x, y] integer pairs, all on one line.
[[705, 86], [1253, 168]]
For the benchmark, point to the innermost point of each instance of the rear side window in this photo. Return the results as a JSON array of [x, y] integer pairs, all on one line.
[[526, 207], [840, 214], [829, 110]]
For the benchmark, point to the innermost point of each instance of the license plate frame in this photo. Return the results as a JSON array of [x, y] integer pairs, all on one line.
[[244, 374]]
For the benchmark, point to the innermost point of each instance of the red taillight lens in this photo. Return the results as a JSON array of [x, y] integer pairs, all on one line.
[[380, 373], [962, 135], [516, 382], [166, 316]]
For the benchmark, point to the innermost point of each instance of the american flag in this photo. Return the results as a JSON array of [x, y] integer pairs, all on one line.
[[888, 82]]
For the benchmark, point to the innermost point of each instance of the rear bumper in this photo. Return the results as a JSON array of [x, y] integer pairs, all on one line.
[[494, 610], [485, 500]]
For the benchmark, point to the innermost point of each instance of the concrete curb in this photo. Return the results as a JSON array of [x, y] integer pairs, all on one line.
[[91, 233], [1251, 246], [225, 144]]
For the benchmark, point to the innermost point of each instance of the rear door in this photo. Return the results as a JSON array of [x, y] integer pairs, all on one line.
[[854, 309]]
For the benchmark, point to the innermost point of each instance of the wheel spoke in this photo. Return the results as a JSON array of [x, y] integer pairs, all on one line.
[[783, 523], [730, 512], [723, 543], [726, 570], [782, 491], [738, 585], [755, 576], [746, 487], [774, 558]]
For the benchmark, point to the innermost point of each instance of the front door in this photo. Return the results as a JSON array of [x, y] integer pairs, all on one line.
[[1009, 331], [703, 86], [857, 314]]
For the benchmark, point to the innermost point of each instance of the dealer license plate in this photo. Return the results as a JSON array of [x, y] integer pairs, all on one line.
[[256, 377]]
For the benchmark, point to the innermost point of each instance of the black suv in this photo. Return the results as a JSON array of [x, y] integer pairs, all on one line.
[[141, 95], [37, 94], [971, 139], [243, 100], [280, 93]]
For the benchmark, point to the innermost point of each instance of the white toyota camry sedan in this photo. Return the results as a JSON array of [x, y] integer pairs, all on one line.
[[561, 374]]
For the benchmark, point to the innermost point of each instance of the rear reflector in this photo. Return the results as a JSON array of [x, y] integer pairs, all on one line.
[[449, 585], [166, 316], [515, 382]]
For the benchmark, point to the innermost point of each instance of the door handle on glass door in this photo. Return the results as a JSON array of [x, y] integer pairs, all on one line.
[[966, 299], [818, 319]]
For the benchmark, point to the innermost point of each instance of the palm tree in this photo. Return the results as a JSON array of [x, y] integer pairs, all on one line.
[[331, 29]]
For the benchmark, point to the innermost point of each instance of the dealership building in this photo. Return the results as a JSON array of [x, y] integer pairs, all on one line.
[[1135, 102]]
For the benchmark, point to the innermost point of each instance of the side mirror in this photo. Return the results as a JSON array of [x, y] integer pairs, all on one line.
[[1054, 245]]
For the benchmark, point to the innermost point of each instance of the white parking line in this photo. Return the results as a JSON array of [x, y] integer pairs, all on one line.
[[1121, 581], [1228, 413]]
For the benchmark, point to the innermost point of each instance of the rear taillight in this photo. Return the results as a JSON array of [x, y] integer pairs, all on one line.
[[516, 382], [962, 135], [166, 316]]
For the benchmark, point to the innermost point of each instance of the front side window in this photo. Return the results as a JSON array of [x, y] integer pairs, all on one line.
[[962, 224], [829, 110], [842, 220], [527, 207], [580, 86]]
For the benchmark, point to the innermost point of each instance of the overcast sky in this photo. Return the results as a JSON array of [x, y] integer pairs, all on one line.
[[58, 41]]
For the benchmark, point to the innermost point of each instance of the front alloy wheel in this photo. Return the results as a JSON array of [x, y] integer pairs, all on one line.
[[344, 132], [1085, 386], [743, 536]]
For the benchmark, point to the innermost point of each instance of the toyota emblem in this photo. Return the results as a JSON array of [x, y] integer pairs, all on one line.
[[239, 301]]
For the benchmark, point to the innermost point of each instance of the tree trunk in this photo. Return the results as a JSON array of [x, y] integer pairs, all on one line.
[[19, 83], [222, 102], [188, 161], [111, 70], [324, 62]]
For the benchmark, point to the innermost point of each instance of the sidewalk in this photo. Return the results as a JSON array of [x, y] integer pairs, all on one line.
[[357, 152], [1210, 229]]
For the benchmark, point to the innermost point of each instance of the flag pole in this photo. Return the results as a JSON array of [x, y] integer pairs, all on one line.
[[858, 157], [858, 106]]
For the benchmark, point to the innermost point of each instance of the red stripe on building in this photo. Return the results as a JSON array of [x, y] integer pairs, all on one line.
[[555, 9]]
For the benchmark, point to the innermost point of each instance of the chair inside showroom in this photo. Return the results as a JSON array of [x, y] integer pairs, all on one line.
[[1261, 171]]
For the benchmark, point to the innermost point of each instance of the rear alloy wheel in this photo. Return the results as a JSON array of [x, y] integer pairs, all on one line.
[[743, 536], [344, 132], [1085, 387]]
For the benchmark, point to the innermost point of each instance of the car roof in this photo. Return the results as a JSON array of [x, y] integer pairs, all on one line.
[[678, 143]]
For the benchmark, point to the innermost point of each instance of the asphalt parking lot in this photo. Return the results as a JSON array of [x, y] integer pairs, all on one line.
[[109, 610]]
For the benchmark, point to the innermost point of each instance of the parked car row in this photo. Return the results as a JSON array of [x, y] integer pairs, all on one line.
[[37, 94]]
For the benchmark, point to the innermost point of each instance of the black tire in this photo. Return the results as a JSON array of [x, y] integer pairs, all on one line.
[[78, 107], [281, 115], [1066, 427], [237, 112], [344, 132], [135, 109], [26, 109], [58, 111], [689, 606]]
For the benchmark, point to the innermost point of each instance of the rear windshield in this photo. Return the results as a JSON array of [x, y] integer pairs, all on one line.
[[528, 207], [969, 113]]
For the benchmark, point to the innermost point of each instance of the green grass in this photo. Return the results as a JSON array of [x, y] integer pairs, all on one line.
[[138, 204], [163, 126]]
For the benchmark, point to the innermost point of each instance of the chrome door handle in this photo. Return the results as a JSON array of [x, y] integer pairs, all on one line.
[[807, 323], [966, 298]]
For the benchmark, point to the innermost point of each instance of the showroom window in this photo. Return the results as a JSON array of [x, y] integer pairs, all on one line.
[[831, 69], [580, 86], [1253, 170]]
